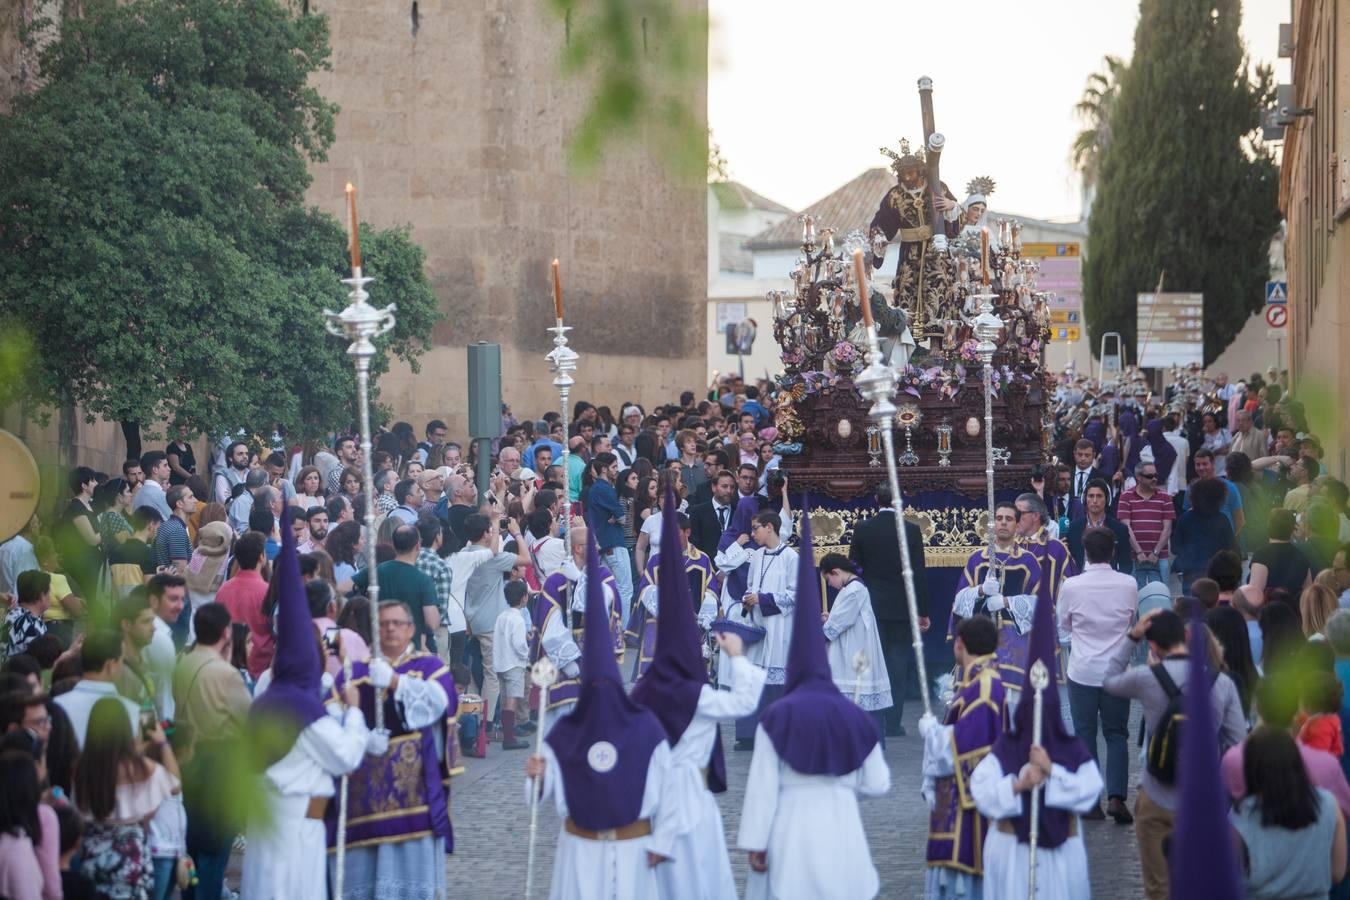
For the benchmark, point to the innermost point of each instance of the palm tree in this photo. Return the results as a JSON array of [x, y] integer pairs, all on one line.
[[1095, 110]]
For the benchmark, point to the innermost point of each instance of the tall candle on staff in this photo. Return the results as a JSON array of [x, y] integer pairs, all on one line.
[[557, 290], [356, 236], [860, 275], [984, 254]]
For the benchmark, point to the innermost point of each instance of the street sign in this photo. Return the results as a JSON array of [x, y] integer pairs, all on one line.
[[1170, 329], [1277, 292], [1062, 278], [1066, 333], [1066, 316], [1277, 316], [1070, 248], [1276, 334]]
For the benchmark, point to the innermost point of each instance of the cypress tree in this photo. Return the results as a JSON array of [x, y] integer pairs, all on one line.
[[1186, 186]]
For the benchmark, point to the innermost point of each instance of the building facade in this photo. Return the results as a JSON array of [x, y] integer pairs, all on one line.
[[1315, 200]]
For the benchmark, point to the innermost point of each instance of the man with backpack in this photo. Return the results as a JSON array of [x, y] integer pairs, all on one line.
[[1159, 688]]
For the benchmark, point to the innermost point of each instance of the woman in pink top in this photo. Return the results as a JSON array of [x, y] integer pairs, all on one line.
[[29, 834]]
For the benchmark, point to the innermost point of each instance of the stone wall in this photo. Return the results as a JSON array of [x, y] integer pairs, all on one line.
[[460, 130]]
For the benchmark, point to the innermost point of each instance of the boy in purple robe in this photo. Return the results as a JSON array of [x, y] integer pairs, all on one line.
[[702, 594], [398, 820], [604, 767], [975, 719]]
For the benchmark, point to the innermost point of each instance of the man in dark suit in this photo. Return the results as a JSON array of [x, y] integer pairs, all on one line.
[[1084, 455], [876, 550], [708, 520], [1096, 515]]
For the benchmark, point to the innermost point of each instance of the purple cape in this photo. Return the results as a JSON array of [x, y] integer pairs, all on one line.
[[1203, 862], [677, 676], [1164, 456], [294, 699], [815, 729], [1013, 748], [741, 520], [604, 747]]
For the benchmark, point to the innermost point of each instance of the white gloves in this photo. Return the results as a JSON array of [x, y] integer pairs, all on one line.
[[927, 722], [377, 742], [995, 602], [991, 587], [381, 674]]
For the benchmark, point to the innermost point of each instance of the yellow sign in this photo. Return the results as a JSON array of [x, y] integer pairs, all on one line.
[[1065, 333], [1044, 250], [1066, 316]]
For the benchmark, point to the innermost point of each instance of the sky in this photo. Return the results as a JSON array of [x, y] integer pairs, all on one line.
[[802, 94]]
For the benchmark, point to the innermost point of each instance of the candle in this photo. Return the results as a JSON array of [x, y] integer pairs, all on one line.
[[984, 254], [860, 274], [355, 245], [557, 290]]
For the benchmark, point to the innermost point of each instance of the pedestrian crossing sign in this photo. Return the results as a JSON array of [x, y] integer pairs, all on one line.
[[1277, 293]]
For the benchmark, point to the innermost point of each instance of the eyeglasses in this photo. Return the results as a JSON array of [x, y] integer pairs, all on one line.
[[395, 623]]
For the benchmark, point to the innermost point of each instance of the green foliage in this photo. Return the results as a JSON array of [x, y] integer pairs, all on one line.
[[645, 60], [153, 235], [718, 167], [1099, 95], [1185, 185]]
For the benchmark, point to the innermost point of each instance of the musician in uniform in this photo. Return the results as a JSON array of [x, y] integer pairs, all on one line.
[[975, 719], [922, 279]]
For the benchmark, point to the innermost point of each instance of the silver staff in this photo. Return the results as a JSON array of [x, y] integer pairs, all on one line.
[[877, 384], [563, 362], [341, 862], [987, 326], [361, 323], [543, 673], [1040, 679]]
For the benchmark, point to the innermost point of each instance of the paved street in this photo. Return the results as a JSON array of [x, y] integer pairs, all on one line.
[[492, 828]]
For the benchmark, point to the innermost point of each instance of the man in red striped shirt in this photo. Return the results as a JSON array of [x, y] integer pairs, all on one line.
[[1148, 513]]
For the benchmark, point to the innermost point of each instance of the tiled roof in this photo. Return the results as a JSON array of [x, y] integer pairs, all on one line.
[[734, 195], [732, 255], [852, 206]]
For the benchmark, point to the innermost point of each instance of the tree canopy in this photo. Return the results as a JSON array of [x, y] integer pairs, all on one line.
[[1184, 185], [156, 253]]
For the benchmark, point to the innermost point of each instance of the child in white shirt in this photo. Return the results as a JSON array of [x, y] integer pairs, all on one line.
[[510, 656]]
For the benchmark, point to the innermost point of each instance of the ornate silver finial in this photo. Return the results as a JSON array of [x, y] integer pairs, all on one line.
[[544, 673], [1039, 675]]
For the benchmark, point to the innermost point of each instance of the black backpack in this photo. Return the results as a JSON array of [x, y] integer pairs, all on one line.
[[1164, 742]]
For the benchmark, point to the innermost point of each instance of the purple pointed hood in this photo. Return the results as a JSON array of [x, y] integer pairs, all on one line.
[[1095, 431], [604, 746], [742, 518], [1203, 862], [1013, 747], [815, 729], [294, 698], [1164, 455], [673, 684], [1130, 441]]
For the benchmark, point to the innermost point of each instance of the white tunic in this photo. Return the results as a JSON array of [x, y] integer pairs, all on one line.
[[810, 827], [1061, 873], [852, 629], [771, 572], [610, 870], [287, 858], [699, 868]]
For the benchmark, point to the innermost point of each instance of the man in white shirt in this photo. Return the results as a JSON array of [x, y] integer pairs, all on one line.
[[1095, 611], [101, 660], [167, 594], [17, 557]]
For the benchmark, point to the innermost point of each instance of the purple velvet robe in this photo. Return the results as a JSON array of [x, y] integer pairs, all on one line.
[[978, 715], [699, 569], [1021, 575], [405, 794]]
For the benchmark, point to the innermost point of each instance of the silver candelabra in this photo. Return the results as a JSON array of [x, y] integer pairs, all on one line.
[[876, 383], [562, 361]]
